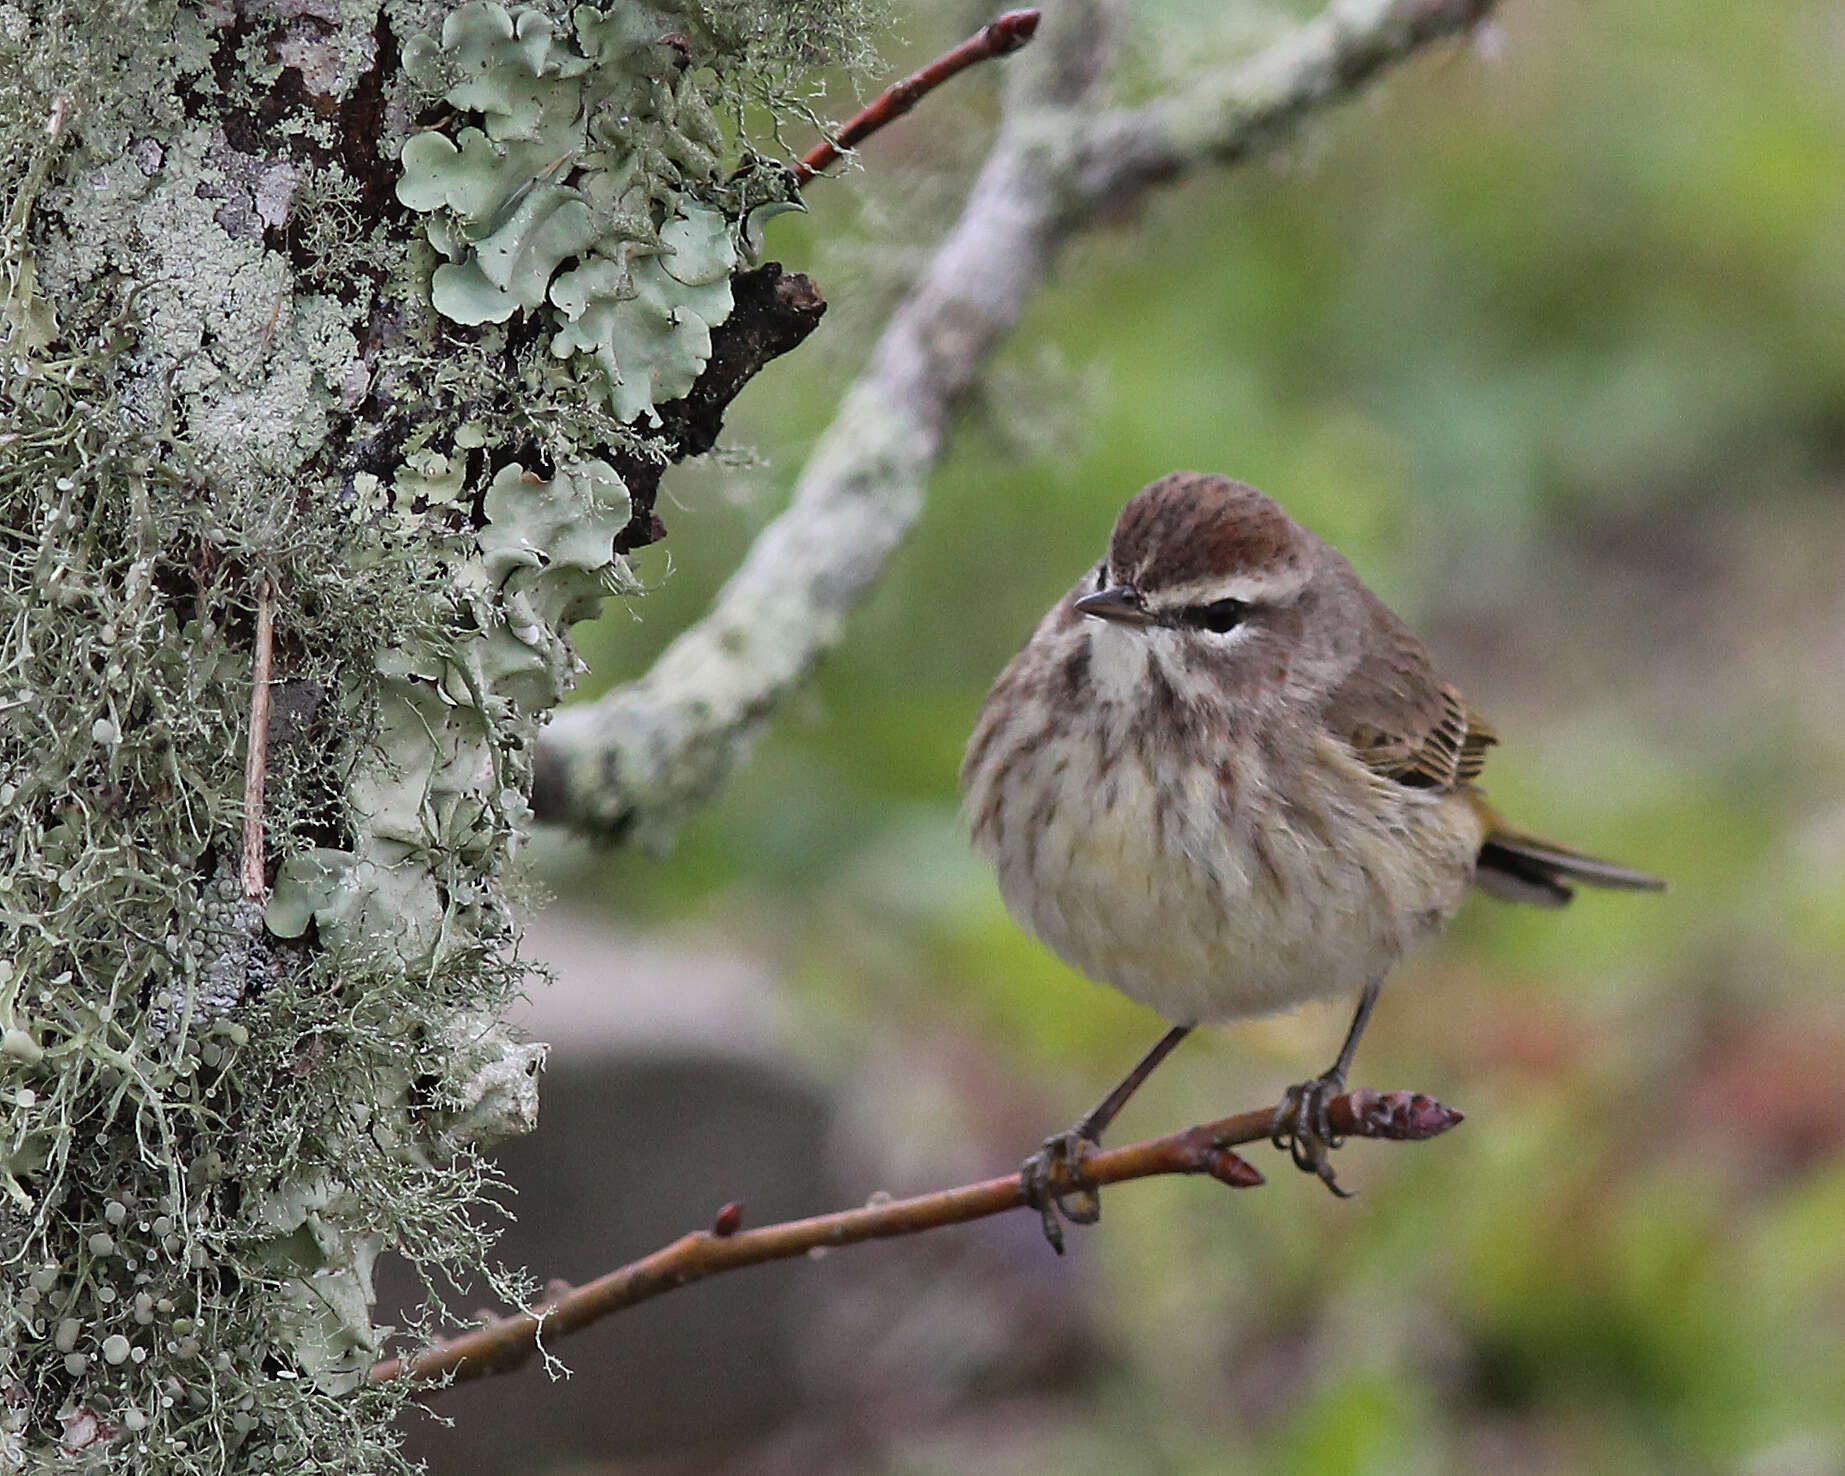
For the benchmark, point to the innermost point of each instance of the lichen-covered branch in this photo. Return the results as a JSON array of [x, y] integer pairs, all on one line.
[[636, 764], [505, 1344], [1229, 117], [772, 311], [633, 764]]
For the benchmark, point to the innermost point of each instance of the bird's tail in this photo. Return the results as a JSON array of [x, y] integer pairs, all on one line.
[[1516, 867]]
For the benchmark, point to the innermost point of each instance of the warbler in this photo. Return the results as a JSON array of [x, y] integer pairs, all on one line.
[[1225, 778]]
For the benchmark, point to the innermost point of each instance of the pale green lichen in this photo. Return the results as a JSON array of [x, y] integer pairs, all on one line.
[[647, 324], [578, 193], [216, 1113]]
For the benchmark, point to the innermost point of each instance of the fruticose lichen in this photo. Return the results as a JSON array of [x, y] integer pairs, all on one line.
[[287, 324]]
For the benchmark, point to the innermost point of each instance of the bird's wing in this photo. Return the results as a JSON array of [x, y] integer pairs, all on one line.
[[1402, 719], [1407, 724]]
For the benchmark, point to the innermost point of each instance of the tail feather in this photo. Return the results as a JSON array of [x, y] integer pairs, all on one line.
[[1522, 868]]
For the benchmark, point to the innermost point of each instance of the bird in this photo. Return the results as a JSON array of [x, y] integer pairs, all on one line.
[[1225, 778]]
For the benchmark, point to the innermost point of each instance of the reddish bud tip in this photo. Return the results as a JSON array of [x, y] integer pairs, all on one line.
[[1012, 30], [1233, 1169], [729, 1219], [1404, 1116]]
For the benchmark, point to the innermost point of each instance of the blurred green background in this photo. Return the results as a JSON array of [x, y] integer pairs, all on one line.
[[1548, 336]]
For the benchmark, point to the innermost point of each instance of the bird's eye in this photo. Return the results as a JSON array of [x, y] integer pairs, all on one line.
[[1101, 578], [1219, 616]]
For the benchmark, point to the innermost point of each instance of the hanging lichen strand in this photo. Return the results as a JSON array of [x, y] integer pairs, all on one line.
[[352, 313]]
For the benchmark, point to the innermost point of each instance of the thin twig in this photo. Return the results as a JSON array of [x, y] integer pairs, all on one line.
[[1011, 31], [256, 756], [1206, 1149]]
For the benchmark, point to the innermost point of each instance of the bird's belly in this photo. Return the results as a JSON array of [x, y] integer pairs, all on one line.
[[1213, 901]]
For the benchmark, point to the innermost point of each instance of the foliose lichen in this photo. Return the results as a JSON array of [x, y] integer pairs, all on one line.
[[589, 190]]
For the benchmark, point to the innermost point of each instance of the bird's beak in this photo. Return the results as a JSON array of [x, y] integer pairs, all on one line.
[[1120, 602]]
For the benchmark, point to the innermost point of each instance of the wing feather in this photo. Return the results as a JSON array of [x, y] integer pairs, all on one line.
[[1402, 719]]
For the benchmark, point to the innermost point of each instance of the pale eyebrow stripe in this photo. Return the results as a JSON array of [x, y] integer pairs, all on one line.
[[1252, 589]]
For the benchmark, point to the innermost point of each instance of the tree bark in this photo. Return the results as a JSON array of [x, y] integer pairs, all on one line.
[[345, 348]]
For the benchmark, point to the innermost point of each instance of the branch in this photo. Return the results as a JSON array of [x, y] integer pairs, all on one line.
[[1206, 1149], [256, 751], [635, 764], [1229, 118], [1011, 31], [772, 312]]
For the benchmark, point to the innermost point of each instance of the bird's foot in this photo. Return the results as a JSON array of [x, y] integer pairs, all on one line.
[[1061, 1157], [1301, 1128]]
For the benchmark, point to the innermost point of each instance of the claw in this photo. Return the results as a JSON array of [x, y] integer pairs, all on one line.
[[1081, 1205], [1302, 1130]]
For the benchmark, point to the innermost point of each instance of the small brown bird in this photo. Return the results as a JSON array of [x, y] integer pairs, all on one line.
[[1223, 777]]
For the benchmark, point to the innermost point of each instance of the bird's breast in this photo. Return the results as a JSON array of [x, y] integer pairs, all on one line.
[[1221, 874]]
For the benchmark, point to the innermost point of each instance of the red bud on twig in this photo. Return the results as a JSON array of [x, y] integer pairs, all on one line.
[[1406, 1117], [1233, 1169]]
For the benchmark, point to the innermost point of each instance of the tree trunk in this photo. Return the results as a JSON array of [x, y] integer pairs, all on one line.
[[345, 344]]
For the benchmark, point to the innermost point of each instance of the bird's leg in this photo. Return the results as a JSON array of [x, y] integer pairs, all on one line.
[[1068, 1147], [1300, 1125]]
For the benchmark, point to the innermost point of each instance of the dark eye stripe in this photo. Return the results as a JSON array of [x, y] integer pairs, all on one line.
[[1218, 617]]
